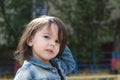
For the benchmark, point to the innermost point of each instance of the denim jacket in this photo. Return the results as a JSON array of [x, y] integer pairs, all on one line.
[[34, 69]]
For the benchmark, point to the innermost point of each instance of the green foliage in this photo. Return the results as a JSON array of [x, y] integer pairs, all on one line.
[[15, 14], [87, 20]]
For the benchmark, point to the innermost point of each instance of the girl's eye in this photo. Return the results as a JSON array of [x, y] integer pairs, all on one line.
[[46, 37], [57, 41]]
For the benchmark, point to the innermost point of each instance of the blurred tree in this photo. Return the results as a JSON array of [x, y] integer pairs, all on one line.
[[86, 20], [114, 6], [88, 28], [14, 15]]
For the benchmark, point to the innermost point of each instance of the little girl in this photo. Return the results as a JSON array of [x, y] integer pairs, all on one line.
[[42, 51]]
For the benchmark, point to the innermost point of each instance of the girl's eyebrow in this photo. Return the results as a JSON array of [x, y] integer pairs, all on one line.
[[46, 33]]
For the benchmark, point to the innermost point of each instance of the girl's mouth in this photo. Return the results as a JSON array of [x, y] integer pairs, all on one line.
[[49, 50]]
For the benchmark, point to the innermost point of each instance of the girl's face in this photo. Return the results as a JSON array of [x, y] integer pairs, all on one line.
[[45, 44]]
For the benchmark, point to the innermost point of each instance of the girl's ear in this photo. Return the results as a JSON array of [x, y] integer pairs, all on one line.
[[29, 41]]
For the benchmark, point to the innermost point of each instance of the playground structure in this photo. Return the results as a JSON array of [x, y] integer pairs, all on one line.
[[109, 62]]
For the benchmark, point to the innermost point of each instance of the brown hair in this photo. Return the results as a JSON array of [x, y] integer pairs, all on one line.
[[23, 51]]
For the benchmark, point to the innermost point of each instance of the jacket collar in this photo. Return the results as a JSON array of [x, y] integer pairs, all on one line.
[[39, 63]]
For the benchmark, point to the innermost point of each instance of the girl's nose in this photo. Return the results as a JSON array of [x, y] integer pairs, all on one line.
[[52, 43]]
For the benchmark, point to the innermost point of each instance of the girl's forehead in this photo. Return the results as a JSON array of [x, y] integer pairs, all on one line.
[[50, 28]]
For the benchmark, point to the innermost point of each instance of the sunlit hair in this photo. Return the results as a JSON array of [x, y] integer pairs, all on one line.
[[24, 51]]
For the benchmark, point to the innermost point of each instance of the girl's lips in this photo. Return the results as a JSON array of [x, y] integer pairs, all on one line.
[[49, 50]]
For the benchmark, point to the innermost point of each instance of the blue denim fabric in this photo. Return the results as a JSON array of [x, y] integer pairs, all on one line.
[[37, 70]]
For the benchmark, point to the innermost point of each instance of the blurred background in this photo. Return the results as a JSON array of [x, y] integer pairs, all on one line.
[[93, 31]]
